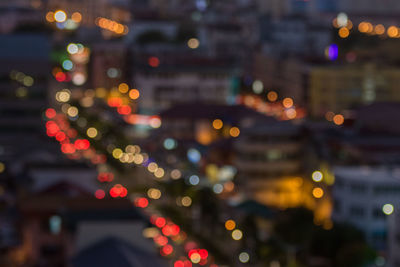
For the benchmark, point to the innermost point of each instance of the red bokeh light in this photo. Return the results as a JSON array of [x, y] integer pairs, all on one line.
[[118, 191], [203, 262], [114, 192], [50, 113], [105, 177], [175, 229], [67, 148], [114, 102], [124, 110], [160, 222], [191, 252], [82, 144], [52, 128], [60, 76], [72, 133], [161, 240], [203, 253], [99, 194], [60, 136], [179, 264], [124, 192], [167, 250], [141, 202], [154, 62], [171, 229]]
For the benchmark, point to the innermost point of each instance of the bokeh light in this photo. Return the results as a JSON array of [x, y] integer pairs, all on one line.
[[317, 176], [193, 43], [388, 209], [60, 16], [217, 124], [230, 225], [237, 234], [318, 192]]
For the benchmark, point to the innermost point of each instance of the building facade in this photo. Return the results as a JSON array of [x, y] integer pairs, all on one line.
[[360, 194]]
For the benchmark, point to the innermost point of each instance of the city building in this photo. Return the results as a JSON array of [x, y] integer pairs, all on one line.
[[14, 17], [269, 159], [288, 77], [109, 66], [176, 79], [61, 216], [295, 35], [24, 75], [360, 194], [340, 88]]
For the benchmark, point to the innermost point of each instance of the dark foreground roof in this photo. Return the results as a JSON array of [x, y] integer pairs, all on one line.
[[212, 111], [111, 252], [255, 208]]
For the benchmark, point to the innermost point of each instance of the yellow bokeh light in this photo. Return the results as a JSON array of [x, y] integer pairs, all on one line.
[[50, 16], [21, 92], [152, 167], [155, 122], [138, 159], [101, 92], [193, 43], [28, 81], [317, 176], [60, 16], [130, 149], [329, 116], [380, 29], [159, 173], [335, 23], [318, 192], [117, 153], [154, 193], [63, 96], [237, 234], [363, 27], [349, 25], [338, 119], [72, 111], [134, 94], [186, 201], [76, 17], [287, 102], [92, 132], [123, 88], [344, 32], [370, 27], [392, 31], [388, 209], [176, 174], [272, 96], [234, 132], [230, 225], [217, 124], [195, 257], [291, 113]]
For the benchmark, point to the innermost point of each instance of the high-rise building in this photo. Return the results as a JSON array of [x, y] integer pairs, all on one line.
[[165, 81], [339, 88], [24, 71], [362, 196]]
